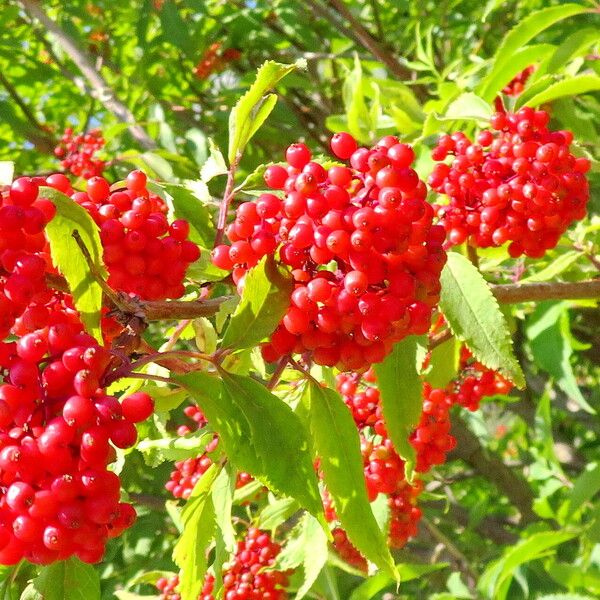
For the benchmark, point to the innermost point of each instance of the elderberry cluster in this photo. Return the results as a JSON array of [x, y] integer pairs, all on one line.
[[517, 84], [58, 427], [359, 240], [244, 577], [144, 254], [77, 153], [518, 183]]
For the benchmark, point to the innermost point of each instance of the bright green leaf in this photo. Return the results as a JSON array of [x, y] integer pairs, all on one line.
[[475, 318], [265, 299], [571, 86], [176, 448], [336, 443], [69, 259], [66, 580], [401, 391]]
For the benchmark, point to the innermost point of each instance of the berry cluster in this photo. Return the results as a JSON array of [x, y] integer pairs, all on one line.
[[212, 61], [518, 183], [188, 472], [360, 242], [245, 577], [57, 496], [143, 253], [77, 153]]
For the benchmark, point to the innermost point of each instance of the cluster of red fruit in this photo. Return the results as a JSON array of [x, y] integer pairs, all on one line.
[[518, 183], [245, 577], [57, 496], [77, 153], [189, 471], [144, 254], [432, 440], [212, 61], [364, 254]]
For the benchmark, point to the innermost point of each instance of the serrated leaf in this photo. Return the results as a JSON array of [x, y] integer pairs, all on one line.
[[523, 33], [215, 164], [468, 106], [307, 547], [549, 337], [336, 443], [497, 78], [69, 260], [495, 580], [7, 171], [252, 108], [158, 451], [198, 520], [401, 391], [260, 434], [444, 363], [555, 267], [276, 513], [222, 497], [66, 580], [265, 299], [571, 86], [475, 318]]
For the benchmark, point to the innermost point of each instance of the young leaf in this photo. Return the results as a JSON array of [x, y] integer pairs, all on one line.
[[401, 391], [278, 512], [495, 581], [475, 318], [468, 106], [524, 32], [260, 434], [336, 443], [198, 518], [215, 164], [66, 580], [572, 86], [68, 258], [176, 448], [265, 299], [306, 547], [253, 108], [444, 363]]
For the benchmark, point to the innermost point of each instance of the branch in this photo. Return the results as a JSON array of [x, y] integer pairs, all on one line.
[[515, 293], [364, 38], [490, 466], [100, 87]]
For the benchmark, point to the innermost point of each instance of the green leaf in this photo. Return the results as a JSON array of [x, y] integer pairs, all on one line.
[[496, 79], [378, 582], [524, 32], [444, 363], [253, 107], [222, 496], [177, 448], [66, 580], [260, 434], [277, 512], [265, 299], [69, 260], [574, 577], [468, 106], [549, 337], [7, 170], [586, 486], [555, 267], [336, 443], [198, 518], [306, 547], [575, 45], [401, 391], [568, 596], [475, 318], [571, 86], [215, 164], [358, 118], [495, 581]]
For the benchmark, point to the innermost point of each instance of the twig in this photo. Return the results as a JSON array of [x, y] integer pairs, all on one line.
[[100, 88], [281, 365], [515, 293], [439, 339], [227, 198], [472, 255]]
